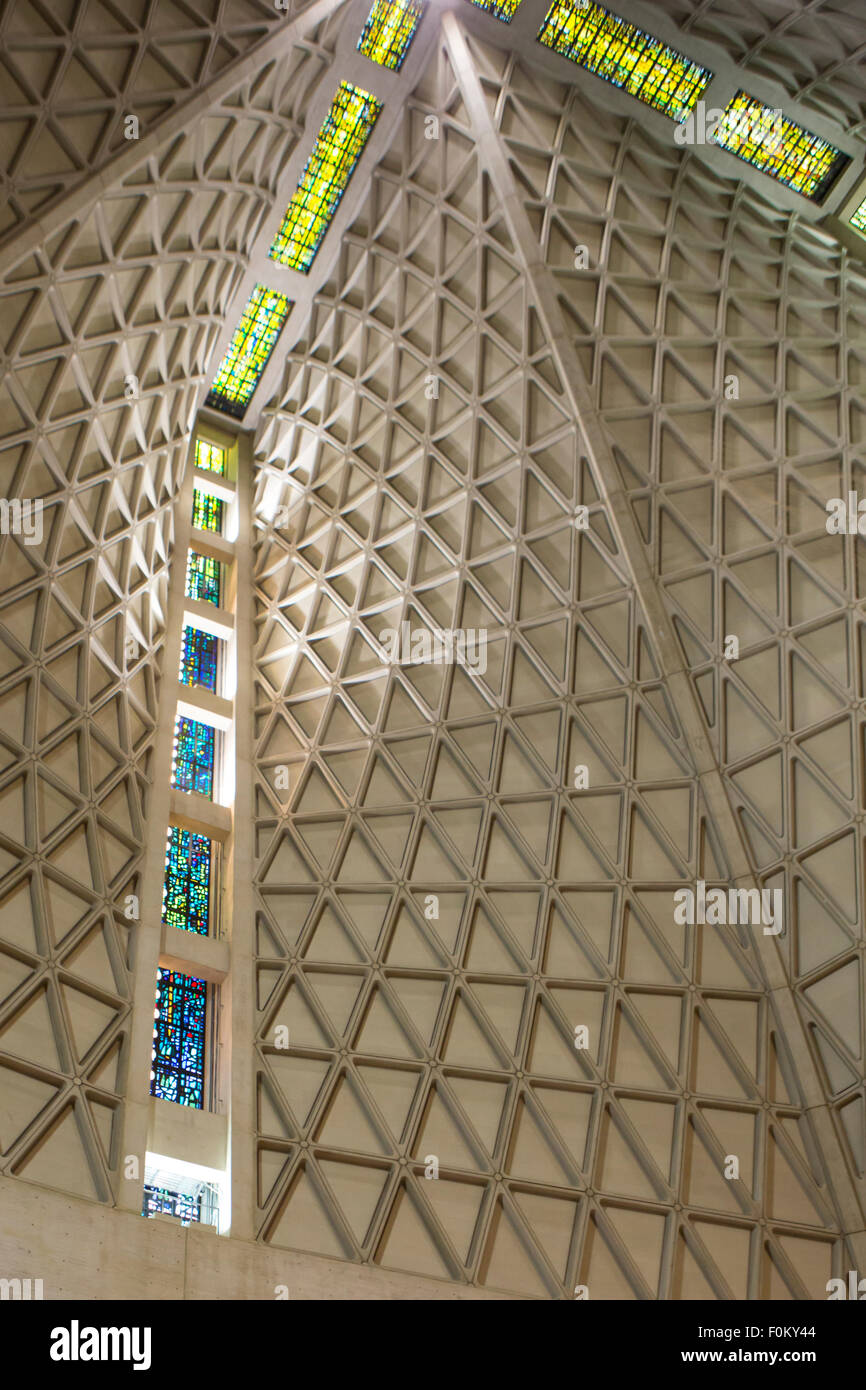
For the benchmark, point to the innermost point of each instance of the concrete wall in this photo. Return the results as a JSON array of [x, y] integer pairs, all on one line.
[[84, 1251]]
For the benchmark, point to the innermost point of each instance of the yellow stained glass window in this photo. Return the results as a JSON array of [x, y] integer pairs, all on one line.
[[858, 221], [624, 55], [248, 352], [207, 511], [777, 146], [210, 456], [339, 145], [389, 30], [500, 9]]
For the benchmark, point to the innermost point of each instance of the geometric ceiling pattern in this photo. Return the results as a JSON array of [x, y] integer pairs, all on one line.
[[107, 331], [729, 496], [438, 907], [813, 48], [72, 73]]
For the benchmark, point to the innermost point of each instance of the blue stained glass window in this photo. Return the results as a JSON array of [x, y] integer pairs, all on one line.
[[161, 1199], [186, 889], [207, 511], [192, 766], [199, 658], [203, 577], [177, 1066]]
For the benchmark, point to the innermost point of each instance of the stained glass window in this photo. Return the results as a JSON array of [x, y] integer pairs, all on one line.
[[210, 456], [192, 764], [339, 145], [202, 577], [248, 352], [858, 221], [207, 511], [389, 30], [609, 46], [177, 1067], [186, 889], [161, 1200], [500, 9], [777, 146], [199, 658]]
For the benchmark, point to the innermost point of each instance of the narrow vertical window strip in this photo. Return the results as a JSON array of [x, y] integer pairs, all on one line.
[[203, 578], [389, 30], [858, 220], [248, 352], [178, 1054], [610, 47], [769, 141], [186, 888], [339, 145]]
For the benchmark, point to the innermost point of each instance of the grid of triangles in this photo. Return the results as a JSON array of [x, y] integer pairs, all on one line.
[[107, 328], [74, 70], [721, 341], [413, 1036]]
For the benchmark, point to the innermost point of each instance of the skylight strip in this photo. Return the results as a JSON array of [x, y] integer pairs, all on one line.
[[769, 141], [606, 44], [500, 9], [389, 30], [339, 145], [248, 352]]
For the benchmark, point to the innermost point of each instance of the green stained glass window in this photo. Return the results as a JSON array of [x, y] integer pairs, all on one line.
[[500, 9], [858, 221], [186, 887], [777, 146], [389, 30], [210, 456], [207, 511], [618, 51], [248, 352], [339, 145], [202, 577]]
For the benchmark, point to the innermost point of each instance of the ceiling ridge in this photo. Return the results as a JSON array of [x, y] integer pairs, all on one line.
[[78, 200]]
